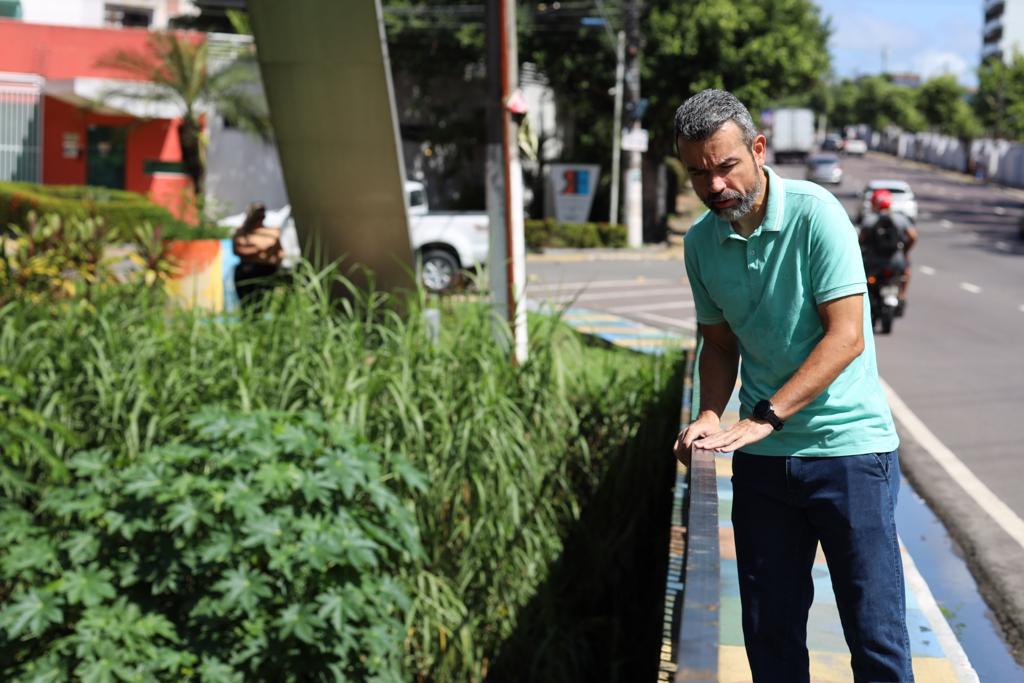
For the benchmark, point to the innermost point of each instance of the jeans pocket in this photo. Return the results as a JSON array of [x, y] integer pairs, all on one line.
[[883, 461]]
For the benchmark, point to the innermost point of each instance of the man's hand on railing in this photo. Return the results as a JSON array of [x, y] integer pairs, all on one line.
[[743, 433], [707, 423]]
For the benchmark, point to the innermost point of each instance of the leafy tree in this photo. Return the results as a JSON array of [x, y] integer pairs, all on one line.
[[999, 102], [762, 52], [842, 103], [880, 103], [179, 73], [941, 100]]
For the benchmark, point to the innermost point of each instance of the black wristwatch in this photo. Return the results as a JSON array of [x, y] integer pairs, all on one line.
[[763, 410]]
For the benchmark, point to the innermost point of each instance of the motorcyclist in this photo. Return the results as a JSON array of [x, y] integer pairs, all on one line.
[[886, 238]]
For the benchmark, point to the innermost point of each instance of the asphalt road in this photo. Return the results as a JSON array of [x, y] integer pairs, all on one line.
[[955, 359]]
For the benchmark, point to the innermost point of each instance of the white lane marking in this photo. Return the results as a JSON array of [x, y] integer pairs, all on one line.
[[1000, 513], [688, 323], [592, 296], [999, 211], [595, 284], [1022, 308], [1002, 246], [651, 307], [947, 224], [926, 270], [968, 287], [951, 647]]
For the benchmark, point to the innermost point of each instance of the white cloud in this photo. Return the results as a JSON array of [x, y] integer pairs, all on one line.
[[933, 63], [871, 34]]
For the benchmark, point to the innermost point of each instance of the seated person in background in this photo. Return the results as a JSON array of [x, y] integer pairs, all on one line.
[[259, 250]]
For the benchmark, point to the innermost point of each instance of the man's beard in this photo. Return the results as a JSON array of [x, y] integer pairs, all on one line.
[[746, 202]]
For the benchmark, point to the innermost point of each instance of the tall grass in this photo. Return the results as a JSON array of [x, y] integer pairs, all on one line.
[[512, 454]]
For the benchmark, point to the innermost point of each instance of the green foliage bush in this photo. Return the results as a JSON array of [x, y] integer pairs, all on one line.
[[512, 455], [122, 211], [267, 546], [551, 233]]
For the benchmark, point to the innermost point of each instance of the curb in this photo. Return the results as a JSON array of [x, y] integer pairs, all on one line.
[[661, 253]]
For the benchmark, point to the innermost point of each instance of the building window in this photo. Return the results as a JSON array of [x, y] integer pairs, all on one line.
[[127, 17]]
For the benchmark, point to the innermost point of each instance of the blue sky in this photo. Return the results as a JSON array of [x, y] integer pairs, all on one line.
[[927, 37]]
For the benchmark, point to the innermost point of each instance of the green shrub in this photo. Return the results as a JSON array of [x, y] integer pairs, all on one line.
[[121, 211], [267, 546], [513, 453], [51, 258], [550, 233]]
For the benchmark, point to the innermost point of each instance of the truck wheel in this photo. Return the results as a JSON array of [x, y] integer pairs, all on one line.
[[439, 270]]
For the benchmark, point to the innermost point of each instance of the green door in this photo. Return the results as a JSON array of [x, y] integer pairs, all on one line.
[[104, 161]]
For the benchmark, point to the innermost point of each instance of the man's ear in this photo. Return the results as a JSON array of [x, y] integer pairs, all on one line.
[[759, 148]]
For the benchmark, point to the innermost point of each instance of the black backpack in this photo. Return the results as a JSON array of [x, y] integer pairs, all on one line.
[[886, 236]]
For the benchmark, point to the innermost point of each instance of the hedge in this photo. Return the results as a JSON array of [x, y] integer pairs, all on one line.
[[120, 210], [551, 233]]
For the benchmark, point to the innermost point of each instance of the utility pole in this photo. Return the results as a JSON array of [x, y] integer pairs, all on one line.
[[634, 172], [507, 253], [620, 72]]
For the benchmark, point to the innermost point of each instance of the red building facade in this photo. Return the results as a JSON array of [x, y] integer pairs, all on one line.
[[81, 138]]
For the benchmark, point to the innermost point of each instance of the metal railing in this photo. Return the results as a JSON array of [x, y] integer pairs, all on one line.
[[21, 126], [696, 645], [692, 596]]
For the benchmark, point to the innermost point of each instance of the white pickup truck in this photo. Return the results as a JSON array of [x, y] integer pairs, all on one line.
[[447, 244]]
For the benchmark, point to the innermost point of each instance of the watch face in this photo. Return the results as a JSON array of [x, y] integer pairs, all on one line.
[[761, 409]]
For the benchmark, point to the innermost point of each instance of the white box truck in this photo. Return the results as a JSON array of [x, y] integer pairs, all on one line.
[[792, 135]]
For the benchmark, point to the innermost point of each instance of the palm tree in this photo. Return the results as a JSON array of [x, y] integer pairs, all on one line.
[[176, 71]]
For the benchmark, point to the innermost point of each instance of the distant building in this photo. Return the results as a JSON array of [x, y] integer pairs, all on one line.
[[151, 14], [57, 127], [1003, 31], [910, 80]]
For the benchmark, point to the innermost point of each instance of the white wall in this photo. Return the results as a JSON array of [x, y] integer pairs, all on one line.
[[63, 12], [90, 13], [240, 170]]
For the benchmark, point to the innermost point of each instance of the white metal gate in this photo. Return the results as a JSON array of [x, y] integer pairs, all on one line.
[[21, 127]]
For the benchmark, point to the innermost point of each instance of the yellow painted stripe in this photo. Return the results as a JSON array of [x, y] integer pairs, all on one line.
[[653, 342]]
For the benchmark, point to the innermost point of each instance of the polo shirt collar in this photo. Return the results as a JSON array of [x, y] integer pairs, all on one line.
[[772, 221]]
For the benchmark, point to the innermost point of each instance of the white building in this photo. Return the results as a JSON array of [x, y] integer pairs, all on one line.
[[1003, 31], [152, 14]]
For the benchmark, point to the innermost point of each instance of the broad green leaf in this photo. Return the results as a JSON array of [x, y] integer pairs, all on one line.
[[88, 586], [30, 613]]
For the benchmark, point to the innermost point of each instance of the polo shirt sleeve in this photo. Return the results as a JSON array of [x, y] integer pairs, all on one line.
[[836, 264], [708, 312]]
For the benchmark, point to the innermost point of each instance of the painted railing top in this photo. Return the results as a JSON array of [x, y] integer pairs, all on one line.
[[697, 643]]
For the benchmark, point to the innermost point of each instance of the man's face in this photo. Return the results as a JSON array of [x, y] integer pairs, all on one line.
[[725, 173]]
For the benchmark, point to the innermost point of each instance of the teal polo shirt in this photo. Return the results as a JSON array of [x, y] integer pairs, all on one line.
[[767, 287]]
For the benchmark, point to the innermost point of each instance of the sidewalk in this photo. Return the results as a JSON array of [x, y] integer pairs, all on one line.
[[937, 655]]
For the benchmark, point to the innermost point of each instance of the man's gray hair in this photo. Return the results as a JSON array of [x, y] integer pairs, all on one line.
[[699, 117]]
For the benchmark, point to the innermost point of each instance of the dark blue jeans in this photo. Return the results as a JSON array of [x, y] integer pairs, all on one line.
[[782, 508]]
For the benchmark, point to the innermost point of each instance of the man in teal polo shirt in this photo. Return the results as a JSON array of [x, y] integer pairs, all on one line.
[[778, 282]]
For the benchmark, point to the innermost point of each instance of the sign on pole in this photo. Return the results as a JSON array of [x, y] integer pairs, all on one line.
[[570, 191], [635, 139]]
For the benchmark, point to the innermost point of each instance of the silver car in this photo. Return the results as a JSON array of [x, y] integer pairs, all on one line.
[[824, 169]]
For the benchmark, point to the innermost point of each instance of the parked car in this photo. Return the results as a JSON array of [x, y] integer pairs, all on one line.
[[832, 143], [903, 199], [856, 147], [447, 244], [824, 169]]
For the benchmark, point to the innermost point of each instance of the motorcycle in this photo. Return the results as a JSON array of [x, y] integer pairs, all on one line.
[[883, 295]]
